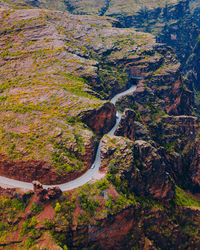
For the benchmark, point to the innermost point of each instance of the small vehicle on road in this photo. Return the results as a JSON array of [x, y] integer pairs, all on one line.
[[117, 115], [93, 166]]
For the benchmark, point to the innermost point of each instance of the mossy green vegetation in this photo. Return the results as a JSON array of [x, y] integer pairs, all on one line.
[[39, 96], [47, 81], [93, 202], [30, 232], [184, 199], [88, 207], [10, 210], [36, 208]]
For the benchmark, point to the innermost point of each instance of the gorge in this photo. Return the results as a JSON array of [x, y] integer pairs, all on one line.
[[107, 164]]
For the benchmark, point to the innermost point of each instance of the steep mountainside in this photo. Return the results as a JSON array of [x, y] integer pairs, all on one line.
[[58, 72], [175, 23], [51, 64]]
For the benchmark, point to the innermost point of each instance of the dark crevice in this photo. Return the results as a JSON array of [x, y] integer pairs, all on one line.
[[105, 8], [69, 7]]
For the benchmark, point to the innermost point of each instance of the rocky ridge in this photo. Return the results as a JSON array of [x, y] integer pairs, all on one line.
[[74, 68], [128, 221], [71, 64], [168, 21]]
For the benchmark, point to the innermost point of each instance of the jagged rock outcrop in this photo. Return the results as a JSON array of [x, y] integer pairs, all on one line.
[[192, 69], [45, 195], [131, 128], [177, 137], [102, 120], [171, 128], [140, 165], [162, 86], [142, 228], [158, 183], [173, 153], [126, 127]]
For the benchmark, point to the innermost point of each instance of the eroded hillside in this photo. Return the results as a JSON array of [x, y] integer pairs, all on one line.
[[54, 67], [58, 72]]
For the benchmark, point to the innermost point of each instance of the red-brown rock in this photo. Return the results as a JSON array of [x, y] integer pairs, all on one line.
[[44, 195], [101, 120], [43, 171], [131, 128]]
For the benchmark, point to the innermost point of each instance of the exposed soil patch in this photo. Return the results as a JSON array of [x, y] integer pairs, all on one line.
[[41, 171]]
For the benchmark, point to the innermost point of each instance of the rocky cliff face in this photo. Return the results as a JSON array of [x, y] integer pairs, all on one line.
[[193, 66], [62, 80], [142, 222], [162, 86], [42, 171], [57, 72], [131, 222], [102, 120], [174, 138], [169, 21], [139, 166], [53, 70]]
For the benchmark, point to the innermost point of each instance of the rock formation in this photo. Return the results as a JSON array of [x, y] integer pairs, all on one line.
[[44, 195], [57, 72], [102, 120]]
